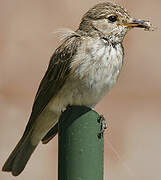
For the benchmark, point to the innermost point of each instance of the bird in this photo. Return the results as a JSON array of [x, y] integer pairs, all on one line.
[[81, 71]]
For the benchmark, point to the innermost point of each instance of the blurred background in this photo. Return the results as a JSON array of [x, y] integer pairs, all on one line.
[[132, 108]]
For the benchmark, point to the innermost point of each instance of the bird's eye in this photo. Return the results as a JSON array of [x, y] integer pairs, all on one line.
[[112, 18]]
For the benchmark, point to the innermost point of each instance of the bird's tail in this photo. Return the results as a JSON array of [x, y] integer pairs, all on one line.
[[20, 155]]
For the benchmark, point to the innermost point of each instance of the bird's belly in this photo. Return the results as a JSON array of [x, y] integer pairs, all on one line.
[[86, 92], [97, 87], [91, 80], [80, 93]]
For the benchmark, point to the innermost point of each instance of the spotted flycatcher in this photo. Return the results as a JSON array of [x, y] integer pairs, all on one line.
[[81, 72]]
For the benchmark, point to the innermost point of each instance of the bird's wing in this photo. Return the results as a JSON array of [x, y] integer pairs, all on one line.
[[55, 77], [56, 74]]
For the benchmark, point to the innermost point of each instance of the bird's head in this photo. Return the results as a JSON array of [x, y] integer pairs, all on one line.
[[110, 20]]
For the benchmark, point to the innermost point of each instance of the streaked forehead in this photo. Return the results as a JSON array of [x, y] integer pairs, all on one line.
[[101, 10]]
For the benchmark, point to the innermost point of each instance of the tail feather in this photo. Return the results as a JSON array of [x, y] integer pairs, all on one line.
[[51, 133], [8, 164], [19, 156], [22, 158]]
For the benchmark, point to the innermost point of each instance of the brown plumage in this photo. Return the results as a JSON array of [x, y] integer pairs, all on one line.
[[81, 71], [50, 85]]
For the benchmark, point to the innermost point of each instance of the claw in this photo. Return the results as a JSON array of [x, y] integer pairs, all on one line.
[[104, 126]]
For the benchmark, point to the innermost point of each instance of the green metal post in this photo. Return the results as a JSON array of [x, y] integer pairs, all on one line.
[[81, 146]]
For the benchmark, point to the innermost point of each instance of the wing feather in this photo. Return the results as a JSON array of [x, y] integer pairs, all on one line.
[[55, 77]]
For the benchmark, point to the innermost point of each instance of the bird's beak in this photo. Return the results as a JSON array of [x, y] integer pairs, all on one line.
[[138, 23]]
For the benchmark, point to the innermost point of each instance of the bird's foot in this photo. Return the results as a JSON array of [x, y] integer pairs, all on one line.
[[104, 126]]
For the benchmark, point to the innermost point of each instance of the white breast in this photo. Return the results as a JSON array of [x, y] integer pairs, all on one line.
[[100, 67], [94, 76]]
